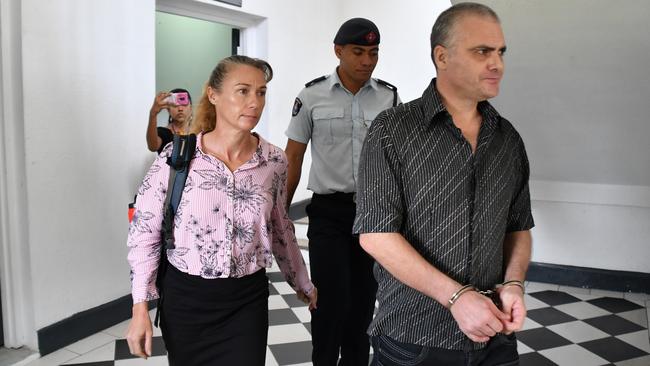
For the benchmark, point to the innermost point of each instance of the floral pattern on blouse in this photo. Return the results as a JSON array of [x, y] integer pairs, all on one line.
[[228, 224]]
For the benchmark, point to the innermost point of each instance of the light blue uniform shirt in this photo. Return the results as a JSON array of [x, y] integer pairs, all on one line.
[[336, 121]]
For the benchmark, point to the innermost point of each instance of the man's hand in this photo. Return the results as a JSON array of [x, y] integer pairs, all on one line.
[[477, 316], [140, 332], [514, 307], [159, 103]]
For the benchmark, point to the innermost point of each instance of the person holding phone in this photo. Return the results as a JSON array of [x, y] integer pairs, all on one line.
[[231, 222], [178, 102]]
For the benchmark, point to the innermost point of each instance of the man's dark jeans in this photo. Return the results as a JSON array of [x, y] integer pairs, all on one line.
[[501, 350]]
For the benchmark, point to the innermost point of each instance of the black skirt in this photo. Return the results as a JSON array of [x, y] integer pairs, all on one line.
[[215, 321]]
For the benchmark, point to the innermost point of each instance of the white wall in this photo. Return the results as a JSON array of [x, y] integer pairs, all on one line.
[[88, 81], [577, 88], [405, 51]]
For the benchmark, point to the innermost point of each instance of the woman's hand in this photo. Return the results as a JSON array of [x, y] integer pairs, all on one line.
[[140, 331], [309, 298]]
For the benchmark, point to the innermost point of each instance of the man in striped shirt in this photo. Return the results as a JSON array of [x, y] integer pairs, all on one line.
[[444, 208]]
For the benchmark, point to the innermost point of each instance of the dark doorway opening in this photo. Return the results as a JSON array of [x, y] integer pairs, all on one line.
[[235, 41]]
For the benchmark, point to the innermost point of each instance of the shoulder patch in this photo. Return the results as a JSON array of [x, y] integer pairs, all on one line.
[[317, 80], [296, 107], [386, 84]]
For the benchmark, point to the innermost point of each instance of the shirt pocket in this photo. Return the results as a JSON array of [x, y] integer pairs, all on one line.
[[328, 124]]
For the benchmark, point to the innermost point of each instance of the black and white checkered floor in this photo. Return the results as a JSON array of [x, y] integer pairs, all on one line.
[[565, 326]]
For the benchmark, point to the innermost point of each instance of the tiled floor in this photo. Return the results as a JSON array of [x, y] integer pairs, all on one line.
[[565, 326]]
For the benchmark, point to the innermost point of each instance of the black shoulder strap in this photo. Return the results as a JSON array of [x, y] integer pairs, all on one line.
[[317, 80], [179, 163], [183, 148], [391, 87]]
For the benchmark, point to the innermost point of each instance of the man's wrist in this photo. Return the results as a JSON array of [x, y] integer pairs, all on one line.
[[510, 283], [456, 295]]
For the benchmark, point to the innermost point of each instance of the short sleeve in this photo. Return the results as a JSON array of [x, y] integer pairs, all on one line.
[[301, 125], [380, 203], [520, 216], [166, 136]]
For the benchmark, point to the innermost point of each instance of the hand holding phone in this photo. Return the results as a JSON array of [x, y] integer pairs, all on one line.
[[178, 99]]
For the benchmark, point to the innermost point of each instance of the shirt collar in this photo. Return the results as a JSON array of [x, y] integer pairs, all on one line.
[[263, 150], [334, 80], [434, 108]]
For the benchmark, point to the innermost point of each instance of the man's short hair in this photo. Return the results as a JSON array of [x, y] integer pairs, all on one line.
[[442, 29]]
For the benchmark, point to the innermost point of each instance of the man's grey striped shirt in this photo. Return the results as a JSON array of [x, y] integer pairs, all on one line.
[[418, 177]]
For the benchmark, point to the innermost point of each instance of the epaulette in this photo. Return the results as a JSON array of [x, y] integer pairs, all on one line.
[[386, 84], [391, 87], [317, 80]]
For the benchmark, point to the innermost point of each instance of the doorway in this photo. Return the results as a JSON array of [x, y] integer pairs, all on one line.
[[187, 49]]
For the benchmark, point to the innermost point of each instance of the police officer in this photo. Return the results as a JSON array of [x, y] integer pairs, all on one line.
[[334, 112]]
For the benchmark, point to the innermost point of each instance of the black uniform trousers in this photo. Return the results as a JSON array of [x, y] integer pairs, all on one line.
[[343, 273]]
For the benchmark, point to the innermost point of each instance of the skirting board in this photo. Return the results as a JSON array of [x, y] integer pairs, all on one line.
[[84, 324], [621, 281]]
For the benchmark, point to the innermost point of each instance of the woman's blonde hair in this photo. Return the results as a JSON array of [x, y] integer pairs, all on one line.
[[206, 118]]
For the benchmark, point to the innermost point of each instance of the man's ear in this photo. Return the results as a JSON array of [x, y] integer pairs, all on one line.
[[338, 50], [440, 54]]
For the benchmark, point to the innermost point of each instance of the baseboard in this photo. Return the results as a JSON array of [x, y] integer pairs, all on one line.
[[622, 281], [84, 324], [297, 210]]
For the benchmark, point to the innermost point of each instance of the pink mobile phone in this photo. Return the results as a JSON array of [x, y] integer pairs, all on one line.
[[179, 98]]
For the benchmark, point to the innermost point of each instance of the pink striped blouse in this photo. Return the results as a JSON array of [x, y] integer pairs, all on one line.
[[227, 224]]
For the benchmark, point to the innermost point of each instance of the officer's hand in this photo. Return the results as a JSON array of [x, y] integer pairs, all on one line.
[[310, 298], [514, 307], [477, 316], [140, 332], [159, 102]]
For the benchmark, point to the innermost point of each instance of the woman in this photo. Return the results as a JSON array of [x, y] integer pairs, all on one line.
[[231, 218], [180, 116]]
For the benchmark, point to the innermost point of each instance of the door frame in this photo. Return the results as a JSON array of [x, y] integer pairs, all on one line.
[[254, 34], [15, 271]]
